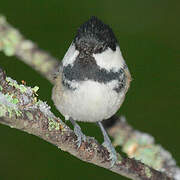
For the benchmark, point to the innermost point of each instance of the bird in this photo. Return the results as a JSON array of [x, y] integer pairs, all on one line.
[[92, 80]]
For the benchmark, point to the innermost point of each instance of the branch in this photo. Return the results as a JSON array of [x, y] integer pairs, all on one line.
[[20, 109], [141, 146], [12, 43]]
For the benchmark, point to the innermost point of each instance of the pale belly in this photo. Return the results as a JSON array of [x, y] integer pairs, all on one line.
[[91, 101]]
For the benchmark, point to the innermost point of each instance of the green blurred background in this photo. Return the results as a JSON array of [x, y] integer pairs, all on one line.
[[149, 37]]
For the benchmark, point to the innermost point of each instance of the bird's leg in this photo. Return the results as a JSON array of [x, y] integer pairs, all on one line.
[[107, 143], [77, 130]]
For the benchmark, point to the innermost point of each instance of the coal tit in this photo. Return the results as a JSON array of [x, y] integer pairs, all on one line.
[[93, 79]]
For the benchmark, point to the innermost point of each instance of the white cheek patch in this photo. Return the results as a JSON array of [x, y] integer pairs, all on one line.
[[110, 60], [70, 55]]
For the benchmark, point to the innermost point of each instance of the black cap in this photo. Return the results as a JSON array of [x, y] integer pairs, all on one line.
[[94, 37]]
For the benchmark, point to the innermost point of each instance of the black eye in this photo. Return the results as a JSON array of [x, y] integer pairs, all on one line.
[[101, 49], [98, 49]]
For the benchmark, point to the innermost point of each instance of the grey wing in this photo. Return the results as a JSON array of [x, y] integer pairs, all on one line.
[[128, 78]]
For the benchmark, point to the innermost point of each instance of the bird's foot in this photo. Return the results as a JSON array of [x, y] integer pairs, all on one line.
[[107, 143], [80, 136], [112, 152]]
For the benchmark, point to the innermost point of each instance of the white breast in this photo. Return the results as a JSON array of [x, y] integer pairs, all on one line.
[[91, 101]]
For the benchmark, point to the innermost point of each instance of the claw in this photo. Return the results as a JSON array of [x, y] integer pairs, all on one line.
[[107, 143], [80, 136], [112, 152]]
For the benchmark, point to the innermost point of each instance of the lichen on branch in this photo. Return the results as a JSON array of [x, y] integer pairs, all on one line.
[[21, 109]]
